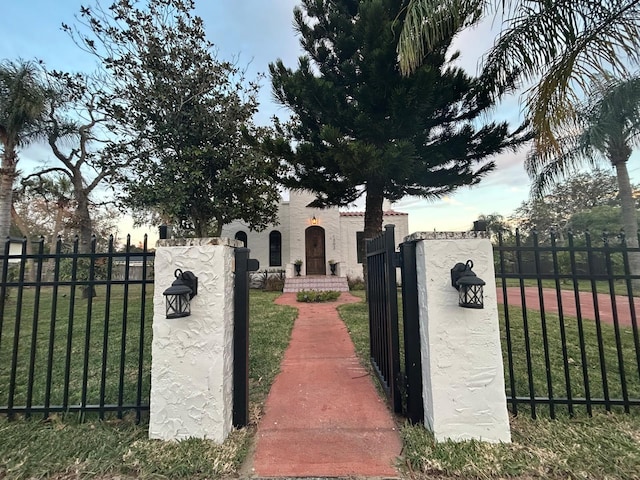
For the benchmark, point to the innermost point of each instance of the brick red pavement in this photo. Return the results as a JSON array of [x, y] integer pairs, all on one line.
[[569, 305], [323, 416]]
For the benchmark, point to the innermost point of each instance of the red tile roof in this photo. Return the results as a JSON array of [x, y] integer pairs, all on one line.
[[361, 214]]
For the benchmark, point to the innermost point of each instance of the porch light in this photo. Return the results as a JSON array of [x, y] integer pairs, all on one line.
[[179, 294], [314, 220], [468, 284]]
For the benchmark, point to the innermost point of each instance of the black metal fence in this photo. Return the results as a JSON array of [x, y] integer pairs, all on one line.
[[74, 335], [569, 325]]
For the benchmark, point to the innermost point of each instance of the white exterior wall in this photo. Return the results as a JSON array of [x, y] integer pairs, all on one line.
[[295, 217], [258, 242], [300, 218], [463, 377], [192, 357], [350, 225]]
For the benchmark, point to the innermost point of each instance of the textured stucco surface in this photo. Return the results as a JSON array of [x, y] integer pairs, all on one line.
[[463, 378], [192, 357]]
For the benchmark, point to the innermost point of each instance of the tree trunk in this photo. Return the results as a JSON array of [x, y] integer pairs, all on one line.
[[30, 272], [82, 220], [372, 220], [7, 176], [629, 219]]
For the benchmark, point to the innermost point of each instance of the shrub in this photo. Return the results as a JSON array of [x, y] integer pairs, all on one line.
[[355, 283], [318, 296], [269, 280], [274, 284]]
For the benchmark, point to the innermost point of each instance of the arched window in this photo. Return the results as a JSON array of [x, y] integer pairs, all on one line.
[[242, 236], [275, 249]]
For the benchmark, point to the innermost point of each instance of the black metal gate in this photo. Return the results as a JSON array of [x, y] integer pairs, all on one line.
[[383, 313], [403, 388]]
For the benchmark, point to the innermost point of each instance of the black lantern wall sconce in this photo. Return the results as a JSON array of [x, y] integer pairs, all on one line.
[[468, 284], [178, 296]]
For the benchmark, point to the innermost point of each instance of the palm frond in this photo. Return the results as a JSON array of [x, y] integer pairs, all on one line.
[[546, 171], [427, 22], [566, 47]]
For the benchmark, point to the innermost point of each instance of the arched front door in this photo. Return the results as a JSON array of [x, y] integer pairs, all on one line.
[[314, 251]]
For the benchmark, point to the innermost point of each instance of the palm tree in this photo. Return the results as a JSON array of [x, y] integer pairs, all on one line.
[[22, 104], [606, 128], [560, 46], [495, 224]]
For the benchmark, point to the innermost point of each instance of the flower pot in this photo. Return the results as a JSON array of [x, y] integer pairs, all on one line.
[[297, 269], [333, 267]]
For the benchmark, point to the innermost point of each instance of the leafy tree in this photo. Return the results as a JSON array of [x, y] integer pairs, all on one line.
[[190, 115], [562, 46], [604, 218], [605, 131], [22, 104], [44, 206], [582, 192], [361, 128], [84, 141]]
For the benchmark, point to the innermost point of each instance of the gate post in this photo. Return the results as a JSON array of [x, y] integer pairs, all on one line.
[[411, 322], [463, 377], [192, 356], [243, 265]]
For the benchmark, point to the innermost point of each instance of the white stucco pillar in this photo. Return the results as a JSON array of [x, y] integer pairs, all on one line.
[[462, 369], [192, 357]]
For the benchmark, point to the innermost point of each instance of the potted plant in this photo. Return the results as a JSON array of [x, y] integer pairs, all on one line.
[[298, 266], [333, 265]]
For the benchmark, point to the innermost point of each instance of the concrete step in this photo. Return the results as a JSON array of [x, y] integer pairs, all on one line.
[[316, 282]]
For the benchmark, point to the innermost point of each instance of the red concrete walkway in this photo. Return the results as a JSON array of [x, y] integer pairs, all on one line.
[[323, 416]]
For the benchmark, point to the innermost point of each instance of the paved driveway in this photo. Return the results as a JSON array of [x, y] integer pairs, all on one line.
[[586, 301]]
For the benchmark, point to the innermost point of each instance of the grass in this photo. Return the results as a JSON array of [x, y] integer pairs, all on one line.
[[62, 449], [602, 446], [59, 332], [576, 362], [606, 445]]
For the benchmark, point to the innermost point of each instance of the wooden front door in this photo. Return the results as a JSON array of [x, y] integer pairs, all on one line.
[[314, 251]]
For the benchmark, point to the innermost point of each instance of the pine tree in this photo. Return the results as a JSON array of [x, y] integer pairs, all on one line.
[[359, 127]]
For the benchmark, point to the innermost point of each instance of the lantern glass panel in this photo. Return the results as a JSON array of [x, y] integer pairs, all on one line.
[[470, 296], [178, 306]]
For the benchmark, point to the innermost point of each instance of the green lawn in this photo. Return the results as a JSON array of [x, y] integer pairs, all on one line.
[[586, 365], [67, 347], [602, 446], [58, 448]]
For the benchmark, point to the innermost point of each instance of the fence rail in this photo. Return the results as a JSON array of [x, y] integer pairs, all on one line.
[[73, 335], [569, 322]]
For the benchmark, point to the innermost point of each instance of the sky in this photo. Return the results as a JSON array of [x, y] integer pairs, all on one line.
[[256, 33]]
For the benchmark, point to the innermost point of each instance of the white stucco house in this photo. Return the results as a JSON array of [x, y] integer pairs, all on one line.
[[313, 235]]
